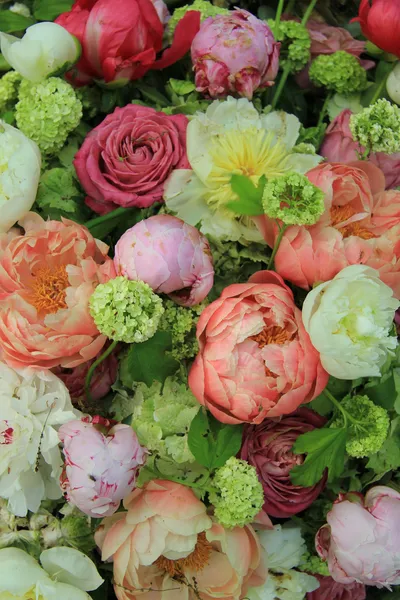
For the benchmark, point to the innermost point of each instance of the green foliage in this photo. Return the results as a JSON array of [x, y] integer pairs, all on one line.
[[250, 196], [339, 72], [181, 322], [11, 22], [49, 10], [388, 458], [59, 196], [296, 44]]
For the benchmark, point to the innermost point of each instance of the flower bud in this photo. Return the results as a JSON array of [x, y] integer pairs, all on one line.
[[393, 84]]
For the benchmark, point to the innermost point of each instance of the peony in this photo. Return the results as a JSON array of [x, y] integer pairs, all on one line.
[[32, 406], [65, 574], [170, 256], [165, 540], [349, 320], [379, 20], [120, 40], [232, 137], [329, 589], [101, 463], [267, 447], [47, 276], [255, 358], [126, 160], [338, 146], [235, 53], [361, 539], [44, 50], [20, 163]]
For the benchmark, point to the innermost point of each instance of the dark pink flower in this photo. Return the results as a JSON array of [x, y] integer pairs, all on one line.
[[329, 589]]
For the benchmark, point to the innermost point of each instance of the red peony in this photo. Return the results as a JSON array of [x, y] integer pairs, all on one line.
[[380, 23], [329, 589]]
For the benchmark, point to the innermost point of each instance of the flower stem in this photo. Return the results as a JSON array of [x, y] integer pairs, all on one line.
[[346, 416], [279, 12], [379, 89], [276, 246], [281, 85], [308, 12], [289, 7], [114, 214], [324, 110], [92, 369]]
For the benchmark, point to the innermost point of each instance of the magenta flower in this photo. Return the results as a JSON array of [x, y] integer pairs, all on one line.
[[101, 463], [234, 53], [169, 255]]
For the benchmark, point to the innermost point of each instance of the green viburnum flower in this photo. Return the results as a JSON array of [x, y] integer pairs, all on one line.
[[368, 436], [296, 44], [293, 199], [47, 112], [378, 127], [313, 564], [126, 311], [9, 85], [238, 495], [205, 8], [181, 322], [340, 72]]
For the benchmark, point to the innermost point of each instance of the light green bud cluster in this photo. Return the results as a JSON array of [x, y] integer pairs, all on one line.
[[296, 44], [181, 323], [378, 127], [206, 9], [313, 564], [47, 112], [368, 428], [126, 311], [9, 85], [293, 199], [340, 72], [237, 495]]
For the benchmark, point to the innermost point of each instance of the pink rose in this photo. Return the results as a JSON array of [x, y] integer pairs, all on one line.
[[255, 359], [101, 463], [234, 53], [362, 537], [47, 276], [268, 447], [339, 146], [126, 160], [329, 589], [170, 256]]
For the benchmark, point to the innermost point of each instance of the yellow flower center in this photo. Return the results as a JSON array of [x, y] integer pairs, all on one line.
[[196, 561], [31, 595], [48, 289]]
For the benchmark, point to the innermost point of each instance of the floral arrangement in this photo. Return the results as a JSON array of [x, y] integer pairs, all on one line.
[[199, 300]]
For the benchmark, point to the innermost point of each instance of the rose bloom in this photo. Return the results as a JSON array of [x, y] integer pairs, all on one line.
[[165, 540], [126, 160], [362, 537], [338, 146], [121, 39], [47, 276], [268, 447], [255, 358], [329, 589]]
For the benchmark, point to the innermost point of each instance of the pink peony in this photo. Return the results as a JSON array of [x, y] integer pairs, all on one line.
[[361, 539], [165, 541], [101, 462], [339, 146], [234, 53], [267, 447], [126, 160], [170, 256], [329, 589], [256, 359], [47, 276]]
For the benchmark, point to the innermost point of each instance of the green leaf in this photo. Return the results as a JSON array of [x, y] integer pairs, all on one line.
[[250, 196], [48, 10], [200, 439], [4, 66], [149, 361], [212, 442], [181, 87], [11, 22], [378, 88], [100, 227], [325, 448], [388, 457], [228, 443], [59, 196]]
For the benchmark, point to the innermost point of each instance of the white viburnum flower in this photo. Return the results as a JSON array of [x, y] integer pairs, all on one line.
[[20, 163], [349, 320], [67, 574], [46, 49], [33, 404], [20, 9], [231, 137]]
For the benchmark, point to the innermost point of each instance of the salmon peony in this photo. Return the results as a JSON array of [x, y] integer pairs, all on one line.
[[256, 359], [165, 545], [47, 276]]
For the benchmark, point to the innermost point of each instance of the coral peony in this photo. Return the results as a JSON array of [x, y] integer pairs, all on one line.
[[329, 589], [120, 40], [255, 358], [126, 160], [172, 257], [380, 20], [361, 540], [47, 276], [165, 542], [100, 468], [234, 53], [267, 447]]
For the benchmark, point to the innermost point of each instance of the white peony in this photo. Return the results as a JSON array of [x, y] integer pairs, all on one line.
[[20, 162], [287, 585], [349, 321], [393, 84], [231, 137], [46, 49], [67, 574], [32, 406]]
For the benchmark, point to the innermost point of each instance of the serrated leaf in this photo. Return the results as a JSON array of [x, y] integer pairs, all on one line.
[[250, 196], [181, 87], [388, 457], [200, 439], [212, 443], [48, 10], [227, 444], [149, 361], [325, 448]]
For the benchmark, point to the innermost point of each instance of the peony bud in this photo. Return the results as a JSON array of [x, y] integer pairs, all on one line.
[[393, 84]]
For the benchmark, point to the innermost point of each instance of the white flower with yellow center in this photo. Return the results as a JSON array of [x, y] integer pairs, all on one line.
[[231, 137]]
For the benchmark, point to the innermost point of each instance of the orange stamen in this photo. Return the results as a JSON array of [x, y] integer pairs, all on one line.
[[48, 289], [196, 561], [340, 214]]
